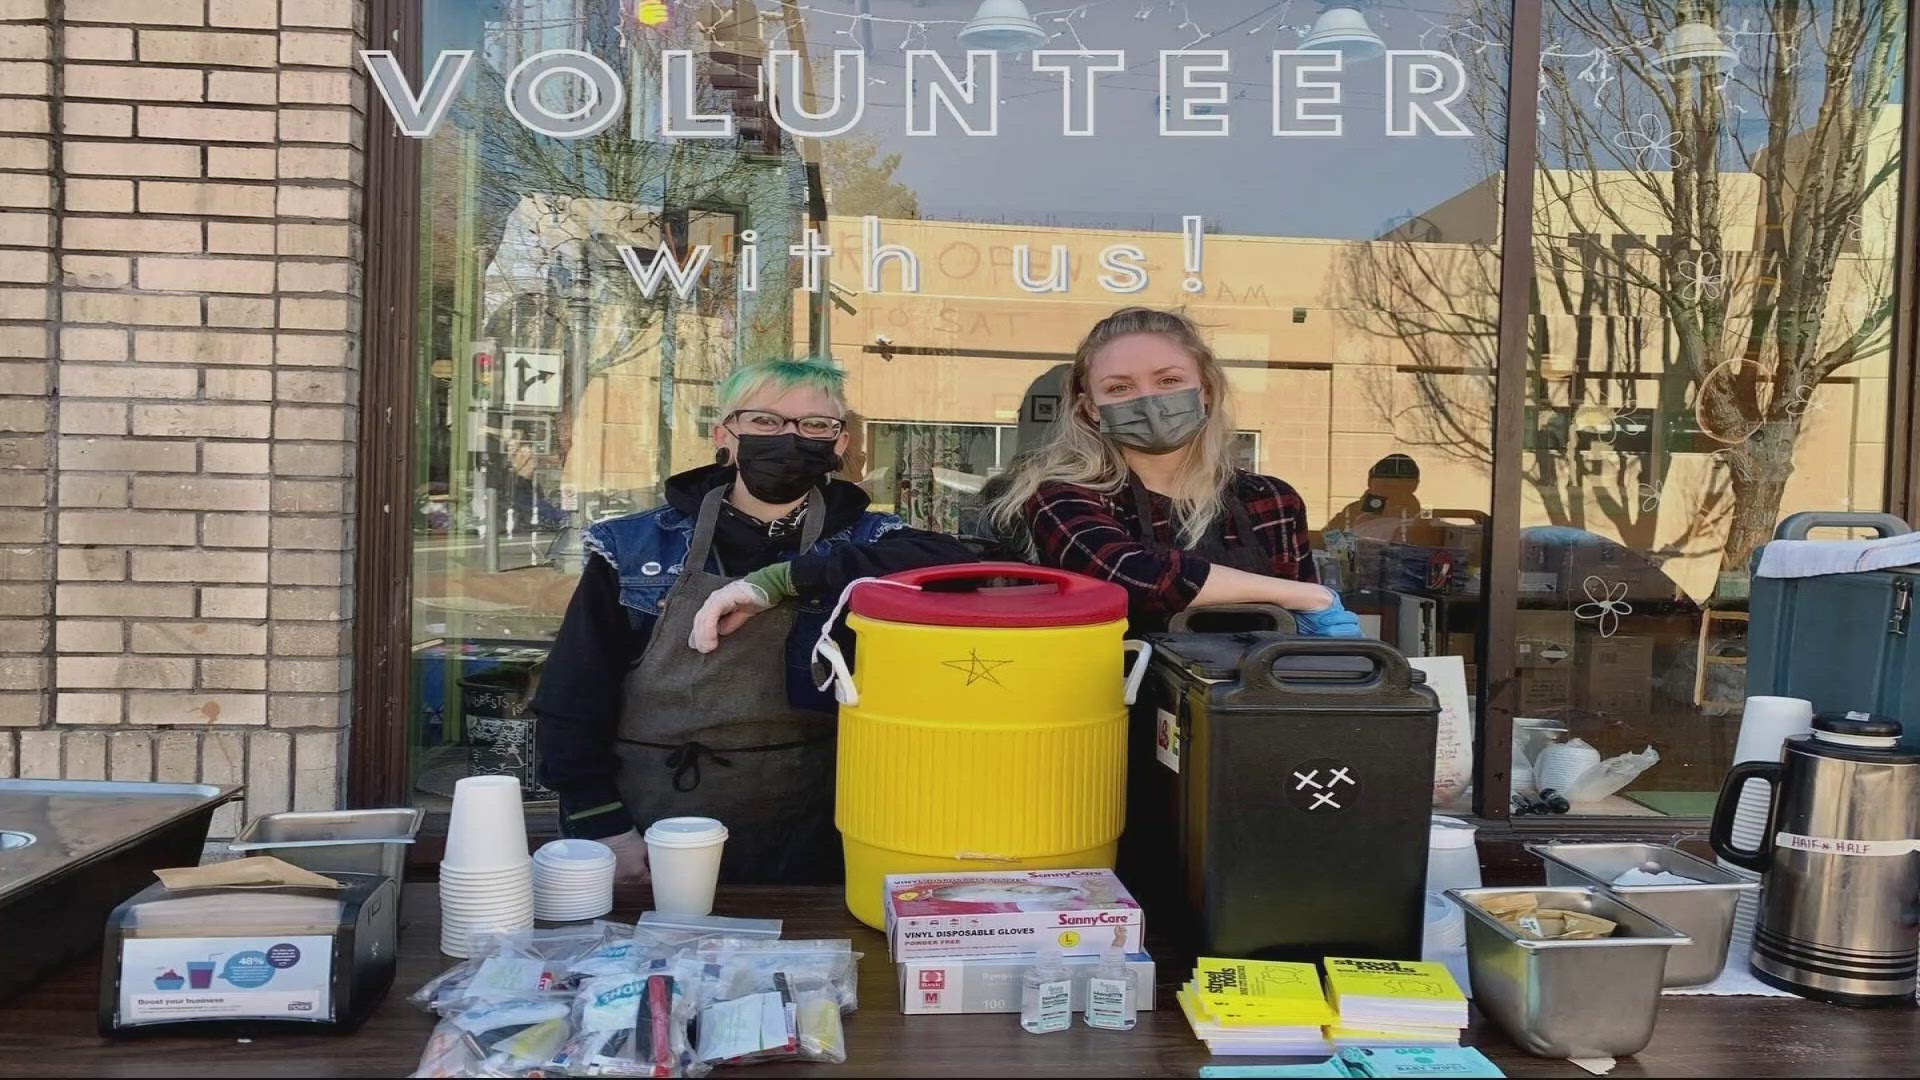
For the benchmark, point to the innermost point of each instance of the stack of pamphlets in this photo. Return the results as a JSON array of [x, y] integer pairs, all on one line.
[[1257, 1007], [1394, 1003]]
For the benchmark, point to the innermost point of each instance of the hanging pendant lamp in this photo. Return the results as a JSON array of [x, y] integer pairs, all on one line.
[[1692, 40], [1343, 29], [1004, 26]]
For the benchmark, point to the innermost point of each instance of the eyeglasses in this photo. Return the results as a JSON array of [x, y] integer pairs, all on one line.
[[760, 422]]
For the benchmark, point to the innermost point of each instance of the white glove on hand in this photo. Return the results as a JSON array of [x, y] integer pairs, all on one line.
[[629, 856], [723, 613]]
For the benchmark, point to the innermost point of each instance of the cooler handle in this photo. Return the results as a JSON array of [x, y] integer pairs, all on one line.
[[828, 651], [1278, 618], [846, 693], [1142, 653], [1797, 526], [1390, 667], [1720, 835]]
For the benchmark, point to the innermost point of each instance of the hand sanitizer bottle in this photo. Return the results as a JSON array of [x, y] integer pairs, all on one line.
[[1046, 993], [1110, 1002]]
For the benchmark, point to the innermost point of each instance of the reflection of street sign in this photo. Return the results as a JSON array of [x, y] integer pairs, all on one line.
[[532, 380]]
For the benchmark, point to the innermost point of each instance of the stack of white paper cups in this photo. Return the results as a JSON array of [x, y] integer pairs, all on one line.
[[486, 879], [572, 881], [1766, 723]]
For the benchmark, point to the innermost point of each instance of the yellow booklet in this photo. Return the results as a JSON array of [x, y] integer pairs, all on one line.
[[1404, 981], [1207, 1025], [1261, 992], [1402, 1036]]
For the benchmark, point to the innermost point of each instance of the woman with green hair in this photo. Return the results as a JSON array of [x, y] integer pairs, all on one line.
[[679, 682]]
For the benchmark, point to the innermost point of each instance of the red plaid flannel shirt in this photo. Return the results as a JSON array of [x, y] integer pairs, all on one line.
[[1099, 535]]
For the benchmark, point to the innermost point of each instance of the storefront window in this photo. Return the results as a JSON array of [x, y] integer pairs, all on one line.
[[1349, 281], [1714, 223]]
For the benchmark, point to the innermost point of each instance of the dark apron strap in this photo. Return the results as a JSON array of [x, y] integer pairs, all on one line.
[[1242, 520], [684, 758], [703, 527], [1143, 506], [813, 521], [1236, 509]]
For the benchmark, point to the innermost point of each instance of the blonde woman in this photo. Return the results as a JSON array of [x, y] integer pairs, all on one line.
[[1137, 485]]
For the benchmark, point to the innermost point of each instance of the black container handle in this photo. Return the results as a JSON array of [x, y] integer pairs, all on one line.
[[1269, 616], [1797, 526], [1720, 836], [1391, 670]]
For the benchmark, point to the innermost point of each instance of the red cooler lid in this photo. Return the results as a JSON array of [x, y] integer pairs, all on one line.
[[959, 595]]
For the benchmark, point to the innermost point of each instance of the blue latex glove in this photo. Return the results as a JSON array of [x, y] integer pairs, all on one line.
[[1335, 621]]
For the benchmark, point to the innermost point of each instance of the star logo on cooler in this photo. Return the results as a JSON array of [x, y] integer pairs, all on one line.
[[933, 980], [976, 668]]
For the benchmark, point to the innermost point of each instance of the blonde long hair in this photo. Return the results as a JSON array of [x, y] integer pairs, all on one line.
[[1076, 452]]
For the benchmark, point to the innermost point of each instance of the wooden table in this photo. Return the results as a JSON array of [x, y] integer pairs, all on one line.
[[49, 1031]]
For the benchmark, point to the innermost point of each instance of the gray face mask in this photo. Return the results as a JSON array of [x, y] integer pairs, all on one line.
[[1155, 423]]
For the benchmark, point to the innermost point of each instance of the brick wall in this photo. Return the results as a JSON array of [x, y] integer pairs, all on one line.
[[179, 207]]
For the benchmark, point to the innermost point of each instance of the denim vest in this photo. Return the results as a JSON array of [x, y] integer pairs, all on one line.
[[648, 549]]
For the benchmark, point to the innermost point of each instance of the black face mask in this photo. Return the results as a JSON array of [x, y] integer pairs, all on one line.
[[780, 469]]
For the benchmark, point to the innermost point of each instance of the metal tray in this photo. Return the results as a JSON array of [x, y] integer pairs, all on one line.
[[1569, 999], [1703, 912], [336, 841], [75, 849]]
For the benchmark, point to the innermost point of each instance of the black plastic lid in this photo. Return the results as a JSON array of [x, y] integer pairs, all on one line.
[[1857, 723], [1216, 658]]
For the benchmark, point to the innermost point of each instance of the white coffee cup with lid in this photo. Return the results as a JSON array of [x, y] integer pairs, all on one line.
[[683, 858]]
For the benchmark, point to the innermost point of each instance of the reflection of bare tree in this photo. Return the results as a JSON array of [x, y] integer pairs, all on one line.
[[1679, 247], [860, 180]]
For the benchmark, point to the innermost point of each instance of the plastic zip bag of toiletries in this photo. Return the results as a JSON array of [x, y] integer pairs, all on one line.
[[658, 936], [763, 1001], [525, 961], [506, 1036], [633, 1023]]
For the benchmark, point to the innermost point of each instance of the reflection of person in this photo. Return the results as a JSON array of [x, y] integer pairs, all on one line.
[[1137, 485], [1391, 484], [679, 682]]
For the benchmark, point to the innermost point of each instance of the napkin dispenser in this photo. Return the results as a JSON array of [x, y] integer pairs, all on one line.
[[249, 960]]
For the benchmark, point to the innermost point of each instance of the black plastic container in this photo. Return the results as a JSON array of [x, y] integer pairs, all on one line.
[[1300, 773]]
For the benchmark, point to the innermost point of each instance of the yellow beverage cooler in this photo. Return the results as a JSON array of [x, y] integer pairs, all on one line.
[[983, 723]]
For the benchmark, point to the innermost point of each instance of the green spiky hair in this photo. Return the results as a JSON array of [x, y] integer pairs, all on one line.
[[780, 376]]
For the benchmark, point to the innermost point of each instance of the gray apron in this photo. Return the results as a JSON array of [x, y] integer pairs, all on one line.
[[713, 735]]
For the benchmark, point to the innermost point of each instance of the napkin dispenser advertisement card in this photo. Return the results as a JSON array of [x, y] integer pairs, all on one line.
[[253, 959]]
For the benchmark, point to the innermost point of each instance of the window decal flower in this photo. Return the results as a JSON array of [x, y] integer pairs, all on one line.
[[1607, 604], [1699, 281], [1650, 148]]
